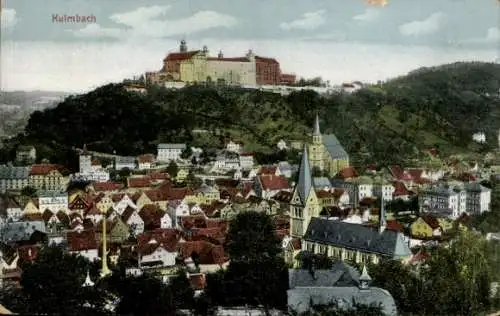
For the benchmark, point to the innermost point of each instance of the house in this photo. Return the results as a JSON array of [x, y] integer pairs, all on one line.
[[83, 243], [46, 177], [23, 231], [291, 248], [54, 201], [266, 186], [145, 162], [124, 163], [154, 254], [31, 207], [182, 175], [234, 147], [122, 202], [131, 217], [13, 178], [246, 161], [116, 230], [342, 285], [103, 202], [13, 210], [26, 154], [169, 152], [281, 145], [426, 226], [443, 196], [285, 169]]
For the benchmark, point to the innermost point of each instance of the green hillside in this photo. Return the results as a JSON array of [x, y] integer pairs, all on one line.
[[430, 107]]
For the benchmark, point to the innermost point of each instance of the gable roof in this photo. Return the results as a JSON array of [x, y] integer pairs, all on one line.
[[357, 237], [334, 147], [83, 240], [305, 183], [181, 55], [272, 182], [43, 169]]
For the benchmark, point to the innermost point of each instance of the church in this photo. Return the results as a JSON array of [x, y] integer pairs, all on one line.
[[338, 239], [326, 152]]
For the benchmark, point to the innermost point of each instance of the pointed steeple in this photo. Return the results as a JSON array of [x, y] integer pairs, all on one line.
[[88, 281], [85, 152], [305, 182], [316, 131], [364, 279], [382, 217]]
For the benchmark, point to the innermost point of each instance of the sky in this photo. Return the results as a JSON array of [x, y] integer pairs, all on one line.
[[339, 40]]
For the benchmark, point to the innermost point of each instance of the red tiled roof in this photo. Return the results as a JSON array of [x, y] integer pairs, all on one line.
[[240, 59], [420, 256], [270, 182], [43, 169], [347, 173], [391, 224], [151, 214], [147, 158], [117, 197], [210, 209], [431, 220], [266, 60], [198, 221], [396, 171], [268, 170], [323, 194], [168, 237], [180, 56], [207, 252], [139, 182], [368, 200], [466, 177], [177, 193], [283, 196], [226, 183], [415, 173], [159, 176], [334, 211], [399, 189], [84, 240], [107, 186]]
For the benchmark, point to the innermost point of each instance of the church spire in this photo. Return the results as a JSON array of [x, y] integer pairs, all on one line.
[[105, 271], [364, 279], [88, 281], [305, 182], [316, 131]]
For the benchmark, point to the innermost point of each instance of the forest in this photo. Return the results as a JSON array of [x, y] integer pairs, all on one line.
[[390, 122]]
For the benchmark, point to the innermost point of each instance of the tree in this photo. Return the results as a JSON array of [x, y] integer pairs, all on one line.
[[124, 173], [192, 181], [257, 274], [144, 295], [28, 191], [172, 169], [57, 277], [186, 153]]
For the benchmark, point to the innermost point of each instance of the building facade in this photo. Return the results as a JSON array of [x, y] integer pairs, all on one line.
[[13, 178], [169, 152], [326, 152]]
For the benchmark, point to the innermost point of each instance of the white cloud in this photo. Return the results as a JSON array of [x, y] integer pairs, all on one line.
[[492, 36], [54, 65], [430, 25], [370, 14], [308, 21], [151, 22], [8, 18]]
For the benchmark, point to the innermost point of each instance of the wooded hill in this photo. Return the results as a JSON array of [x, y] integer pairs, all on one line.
[[389, 123]]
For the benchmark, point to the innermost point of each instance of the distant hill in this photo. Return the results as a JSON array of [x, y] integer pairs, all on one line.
[[27, 98], [394, 122]]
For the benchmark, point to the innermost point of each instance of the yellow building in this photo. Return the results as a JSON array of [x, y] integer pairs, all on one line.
[[46, 177], [326, 153], [182, 175], [426, 226], [200, 67]]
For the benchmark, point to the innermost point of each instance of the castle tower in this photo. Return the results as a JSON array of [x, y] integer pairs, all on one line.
[[220, 56], [85, 160], [183, 48], [105, 271], [317, 149], [304, 203]]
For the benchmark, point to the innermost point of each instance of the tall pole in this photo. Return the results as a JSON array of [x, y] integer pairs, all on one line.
[[105, 271]]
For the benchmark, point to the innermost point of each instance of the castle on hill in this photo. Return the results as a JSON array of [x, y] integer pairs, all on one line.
[[197, 66]]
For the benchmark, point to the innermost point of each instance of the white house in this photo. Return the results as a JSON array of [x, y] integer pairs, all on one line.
[[166, 221], [14, 211], [83, 243], [169, 152], [154, 254], [13, 178], [53, 201], [123, 203], [443, 197], [478, 198], [282, 145], [145, 162], [479, 137], [233, 147], [246, 161], [124, 162]]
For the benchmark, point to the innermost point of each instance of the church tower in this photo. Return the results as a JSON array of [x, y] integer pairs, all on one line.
[[85, 160], [316, 149], [304, 203]]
